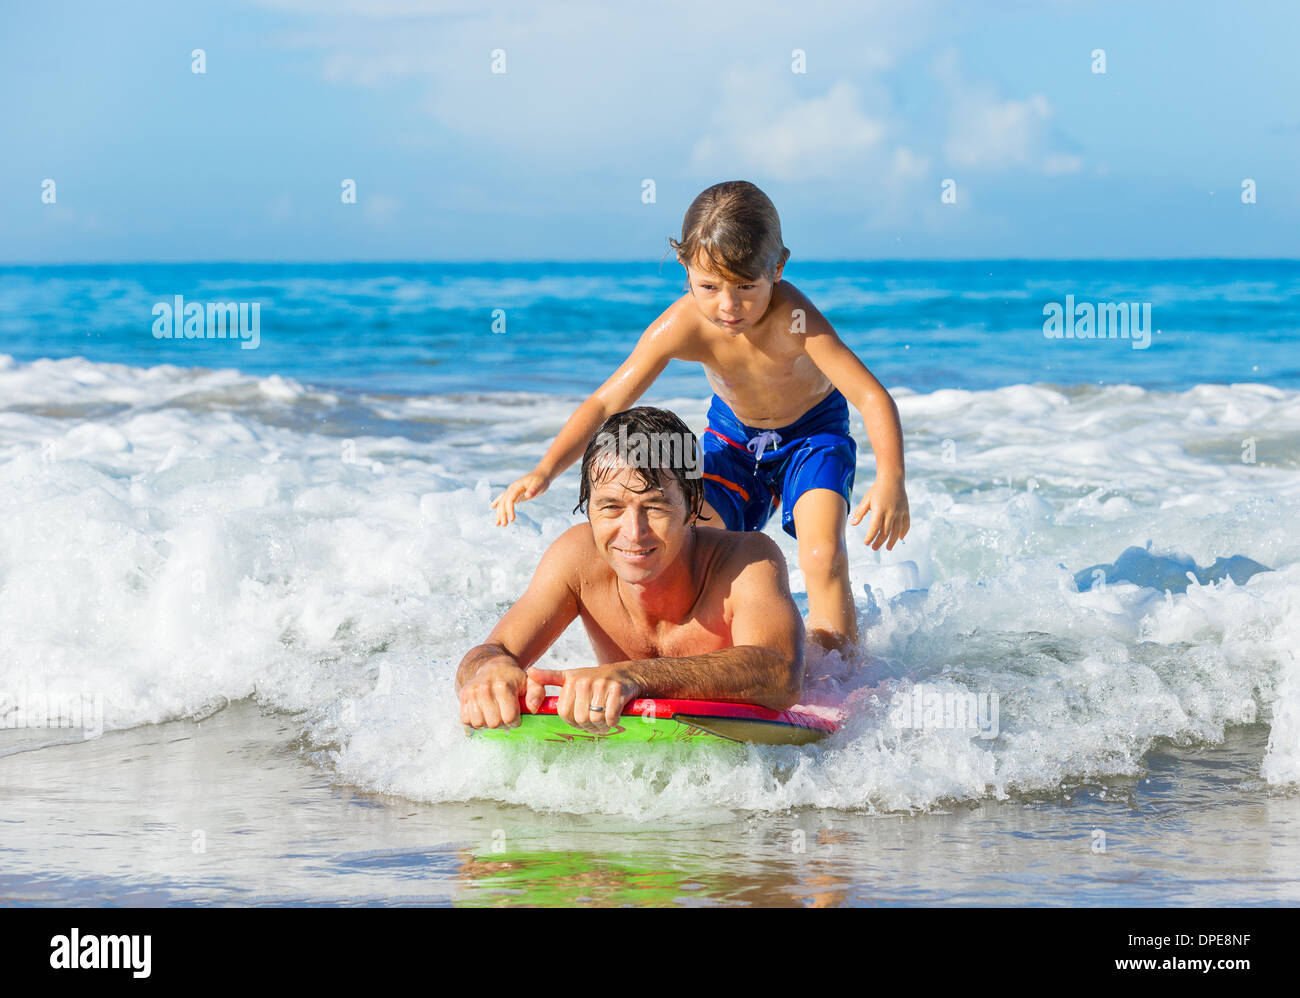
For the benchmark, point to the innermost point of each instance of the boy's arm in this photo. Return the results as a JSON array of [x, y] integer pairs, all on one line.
[[660, 343], [887, 497]]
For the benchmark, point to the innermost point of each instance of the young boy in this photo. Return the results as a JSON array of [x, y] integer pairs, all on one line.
[[778, 430]]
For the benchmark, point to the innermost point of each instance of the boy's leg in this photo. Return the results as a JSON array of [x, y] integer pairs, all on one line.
[[820, 517]]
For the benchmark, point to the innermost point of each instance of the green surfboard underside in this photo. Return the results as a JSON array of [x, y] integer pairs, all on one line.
[[540, 728], [550, 728]]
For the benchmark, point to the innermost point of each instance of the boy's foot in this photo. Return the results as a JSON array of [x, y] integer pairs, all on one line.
[[829, 640], [829, 671]]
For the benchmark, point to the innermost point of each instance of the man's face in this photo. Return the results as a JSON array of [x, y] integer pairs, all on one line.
[[640, 534], [731, 303]]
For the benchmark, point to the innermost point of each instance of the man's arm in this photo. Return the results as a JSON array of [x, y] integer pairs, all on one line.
[[764, 665], [491, 675]]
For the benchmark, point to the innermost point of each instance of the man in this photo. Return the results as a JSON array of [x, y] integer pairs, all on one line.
[[672, 609]]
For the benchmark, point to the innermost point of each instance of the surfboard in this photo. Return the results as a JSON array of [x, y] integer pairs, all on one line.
[[658, 720]]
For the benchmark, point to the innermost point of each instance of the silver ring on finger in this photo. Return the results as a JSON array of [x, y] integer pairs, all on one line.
[[595, 708]]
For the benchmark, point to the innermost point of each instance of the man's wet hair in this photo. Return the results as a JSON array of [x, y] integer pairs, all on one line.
[[605, 455]]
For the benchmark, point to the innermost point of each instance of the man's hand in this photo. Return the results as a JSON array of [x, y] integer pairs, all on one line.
[[890, 517], [591, 699], [491, 698], [530, 486]]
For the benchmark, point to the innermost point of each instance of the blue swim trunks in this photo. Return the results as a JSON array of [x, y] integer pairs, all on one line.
[[749, 471]]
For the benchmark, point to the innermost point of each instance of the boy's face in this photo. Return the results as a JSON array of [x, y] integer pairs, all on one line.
[[639, 534], [731, 303]]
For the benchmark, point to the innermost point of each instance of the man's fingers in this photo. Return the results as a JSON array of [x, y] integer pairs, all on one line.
[[564, 706], [861, 512], [534, 695], [475, 713], [596, 697], [488, 705], [613, 705], [581, 701], [507, 703], [547, 677]]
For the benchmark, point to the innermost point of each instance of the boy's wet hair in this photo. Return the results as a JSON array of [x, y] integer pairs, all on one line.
[[604, 455], [732, 229]]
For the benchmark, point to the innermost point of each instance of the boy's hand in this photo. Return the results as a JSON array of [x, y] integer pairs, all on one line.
[[491, 698], [530, 486], [603, 687], [890, 518]]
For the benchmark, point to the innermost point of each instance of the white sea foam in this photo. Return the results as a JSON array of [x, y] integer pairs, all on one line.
[[172, 539]]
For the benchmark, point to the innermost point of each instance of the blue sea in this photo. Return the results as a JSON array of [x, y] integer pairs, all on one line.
[[237, 575], [421, 329]]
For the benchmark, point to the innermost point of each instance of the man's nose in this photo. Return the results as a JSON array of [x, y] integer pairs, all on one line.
[[635, 525]]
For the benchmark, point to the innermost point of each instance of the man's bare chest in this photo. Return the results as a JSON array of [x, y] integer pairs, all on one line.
[[616, 636]]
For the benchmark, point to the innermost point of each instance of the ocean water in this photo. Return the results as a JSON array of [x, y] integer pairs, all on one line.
[[268, 562]]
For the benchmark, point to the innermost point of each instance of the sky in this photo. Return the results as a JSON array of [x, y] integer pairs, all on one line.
[[851, 116]]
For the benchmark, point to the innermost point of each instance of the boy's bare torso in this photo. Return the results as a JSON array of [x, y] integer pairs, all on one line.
[[617, 635], [764, 374]]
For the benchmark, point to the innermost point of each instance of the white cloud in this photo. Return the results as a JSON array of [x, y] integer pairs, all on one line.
[[988, 131], [380, 209], [762, 125], [623, 86], [767, 129]]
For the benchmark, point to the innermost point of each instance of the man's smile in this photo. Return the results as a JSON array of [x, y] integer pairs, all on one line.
[[636, 554]]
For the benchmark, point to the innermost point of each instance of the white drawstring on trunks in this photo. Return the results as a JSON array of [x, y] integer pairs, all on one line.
[[758, 445]]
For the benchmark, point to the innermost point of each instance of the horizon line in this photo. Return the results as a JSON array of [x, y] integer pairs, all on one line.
[[637, 260]]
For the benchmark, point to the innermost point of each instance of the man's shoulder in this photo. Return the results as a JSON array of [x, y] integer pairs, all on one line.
[[575, 542], [570, 558], [760, 545], [750, 547], [752, 568]]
